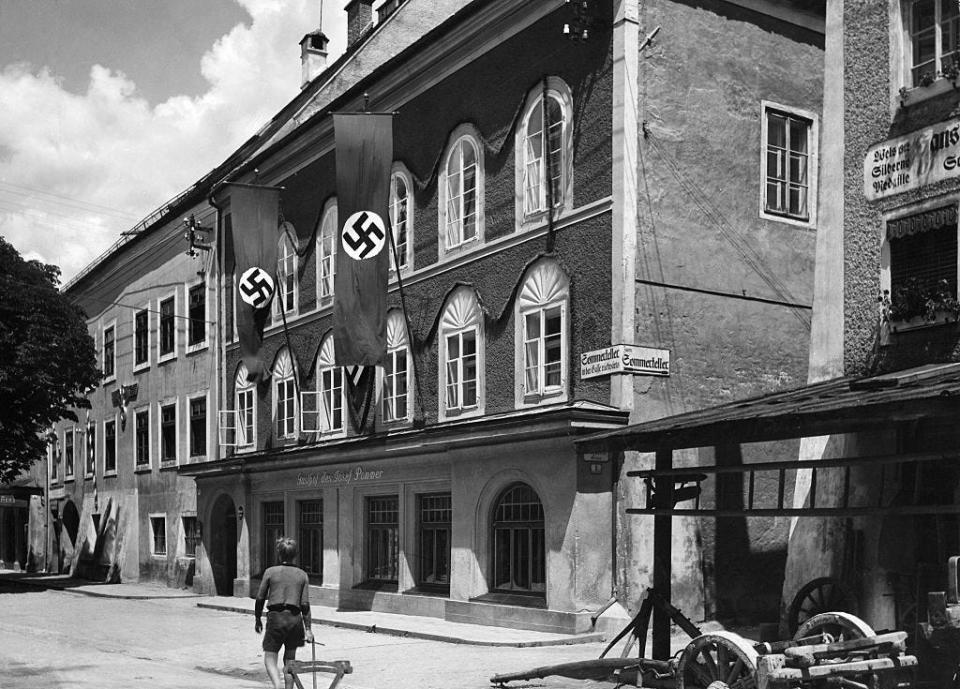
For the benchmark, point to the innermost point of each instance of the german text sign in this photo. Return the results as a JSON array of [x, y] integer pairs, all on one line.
[[913, 160], [624, 358]]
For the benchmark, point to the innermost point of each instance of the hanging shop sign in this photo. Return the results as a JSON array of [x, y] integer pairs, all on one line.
[[915, 160], [623, 358]]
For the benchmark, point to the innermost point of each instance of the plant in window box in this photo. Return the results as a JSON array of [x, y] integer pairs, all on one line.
[[951, 70], [927, 78], [916, 304]]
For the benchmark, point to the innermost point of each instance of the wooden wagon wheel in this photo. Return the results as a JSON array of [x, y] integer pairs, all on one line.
[[824, 594], [840, 626], [718, 660]]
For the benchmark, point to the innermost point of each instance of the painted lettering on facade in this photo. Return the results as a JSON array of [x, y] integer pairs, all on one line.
[[625, 359], [355, 474], [911, 161]]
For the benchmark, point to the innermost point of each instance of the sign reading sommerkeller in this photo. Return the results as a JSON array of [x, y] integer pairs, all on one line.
[[915, 160], [625, 359]]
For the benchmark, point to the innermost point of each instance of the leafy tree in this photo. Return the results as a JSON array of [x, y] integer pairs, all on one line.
[[47, 359]]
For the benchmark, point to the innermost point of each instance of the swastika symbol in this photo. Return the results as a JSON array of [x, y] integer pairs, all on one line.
[[363, 235], [256, 287]]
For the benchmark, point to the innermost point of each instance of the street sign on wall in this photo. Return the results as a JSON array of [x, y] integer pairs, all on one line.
[[623, 358]]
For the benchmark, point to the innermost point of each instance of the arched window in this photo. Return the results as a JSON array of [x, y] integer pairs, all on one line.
[[545, 152], [461, 191], [245, 404], [397, 371], [461, 355], [542, 321], [285, 402], [286, 297], [519, 552], [330, 385], [401, 218], [326, 253]]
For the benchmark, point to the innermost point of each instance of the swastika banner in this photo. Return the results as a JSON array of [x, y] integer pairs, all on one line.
[[364, 145]]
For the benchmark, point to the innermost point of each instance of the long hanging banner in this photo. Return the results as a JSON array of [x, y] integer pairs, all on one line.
[[254, 215]]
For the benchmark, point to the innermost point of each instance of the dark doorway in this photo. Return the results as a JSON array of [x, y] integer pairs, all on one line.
[[71, 526], [221, 543], [8, 537]]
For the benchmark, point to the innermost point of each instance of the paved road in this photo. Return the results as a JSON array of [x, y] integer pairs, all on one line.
[[62, 640]]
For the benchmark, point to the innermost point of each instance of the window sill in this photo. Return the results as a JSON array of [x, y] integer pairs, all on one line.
[[110, 474], [467, 413], [140, 368], [88, 477], [918, 94], [523, 600], [112, 378], [921, 322], [158, 556], [199, 347], [388, 586], [142, 469], [167, 465], [165, 358], [429, 590], [68, 479], [808, 223]]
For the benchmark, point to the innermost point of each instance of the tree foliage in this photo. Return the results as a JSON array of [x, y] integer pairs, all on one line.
[[47, 359]]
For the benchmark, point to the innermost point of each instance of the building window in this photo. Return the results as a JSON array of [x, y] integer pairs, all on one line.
[[383, 538], [68, 453], [91, 450], [326, 254], [198, 426], [158, 534], [168, 329], [54, 450], [934, 39], [396, 368], [435, 515], [541, 336], [331, 388], [310, 536], [401, 219], [461, 364], [461, 191], [197, 312], [141, 434], [519, 554], [141, 338], [110, 446], [286, 297], [788, 168], [168, 432], [544, 143], [191, 536], [284, 396], [246, 410], [109, 353], [273, 531]]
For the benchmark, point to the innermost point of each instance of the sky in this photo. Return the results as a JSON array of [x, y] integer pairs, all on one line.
[[108, 108]]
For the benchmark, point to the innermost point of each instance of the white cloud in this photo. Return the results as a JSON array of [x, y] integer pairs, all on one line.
[[112, 149]]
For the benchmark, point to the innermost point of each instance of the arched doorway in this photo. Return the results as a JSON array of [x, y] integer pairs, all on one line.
[[519, 552], [221, 544], [71, 526], [8, 538]]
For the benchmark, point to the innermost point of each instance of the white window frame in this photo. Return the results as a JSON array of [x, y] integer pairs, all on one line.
[[116, 444], [325, 364], [813, 163], [133, 321], [465, 133], [175, 402], [461, 314], [153, 540], [149, 465], [52, 452], [400, 172], [206, 426], [88, 424], [182, 536], [396, 340], [205, 342], [327, 233], [285, 243], [905, 7], [103, 355], [283, 374], [161, 358], [243, 386], [557, 90], [73, 449], [545, 286]]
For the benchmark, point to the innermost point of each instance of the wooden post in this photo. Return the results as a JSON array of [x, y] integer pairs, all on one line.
[[662, 552]]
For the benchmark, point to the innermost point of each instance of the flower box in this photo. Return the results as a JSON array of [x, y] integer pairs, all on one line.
[[917, 322]]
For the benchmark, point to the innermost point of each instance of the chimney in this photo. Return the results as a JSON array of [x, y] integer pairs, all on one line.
[[313, 56], [359, 19]]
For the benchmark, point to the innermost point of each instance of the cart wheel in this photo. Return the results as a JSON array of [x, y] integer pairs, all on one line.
[[824, 594], [841, 626], [718, 660]]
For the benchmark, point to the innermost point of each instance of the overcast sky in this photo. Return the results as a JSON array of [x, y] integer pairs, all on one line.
[[110, 107]]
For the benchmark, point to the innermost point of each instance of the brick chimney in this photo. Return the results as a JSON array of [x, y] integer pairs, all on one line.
[[359, 19], [313, 56]]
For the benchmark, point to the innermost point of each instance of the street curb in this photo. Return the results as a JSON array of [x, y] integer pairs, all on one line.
[[377, 629], [26, 583]]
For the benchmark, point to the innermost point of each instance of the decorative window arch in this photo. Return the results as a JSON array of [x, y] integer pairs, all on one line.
[[332, 389], [541, 335], [285, 403], [397, 376], [401, 217], [287, 295], [544, 153], [461, 355], [326, 253], [519, 549], [461, 191], [245, 405]]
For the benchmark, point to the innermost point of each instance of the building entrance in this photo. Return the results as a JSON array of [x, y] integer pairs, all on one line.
[[221, 542]]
